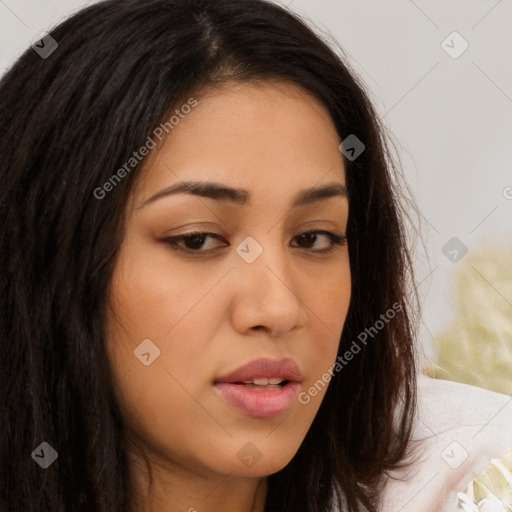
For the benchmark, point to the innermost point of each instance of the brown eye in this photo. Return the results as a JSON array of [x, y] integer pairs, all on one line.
[[310, 237], [191, 242]]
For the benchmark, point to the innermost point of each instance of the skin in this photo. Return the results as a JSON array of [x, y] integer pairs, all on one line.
[[210, 313]]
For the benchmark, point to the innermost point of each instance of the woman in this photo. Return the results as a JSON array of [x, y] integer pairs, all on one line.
[[205, 302]]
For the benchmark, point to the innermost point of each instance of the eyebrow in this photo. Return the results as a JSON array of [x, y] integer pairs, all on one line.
[[240, 196]]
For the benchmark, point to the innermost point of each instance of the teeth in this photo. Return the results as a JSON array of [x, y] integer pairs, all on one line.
[[264, 381]]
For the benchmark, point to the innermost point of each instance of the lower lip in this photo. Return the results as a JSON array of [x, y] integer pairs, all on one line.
[[256, 403]]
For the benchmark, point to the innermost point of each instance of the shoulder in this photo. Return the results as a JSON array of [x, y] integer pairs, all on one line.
[[459, 429]]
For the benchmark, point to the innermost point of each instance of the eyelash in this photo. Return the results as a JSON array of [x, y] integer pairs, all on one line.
[[336, 240]]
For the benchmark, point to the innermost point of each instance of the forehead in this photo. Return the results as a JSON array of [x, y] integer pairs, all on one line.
[[261, 136]]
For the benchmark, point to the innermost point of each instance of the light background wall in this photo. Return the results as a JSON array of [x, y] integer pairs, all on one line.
[[451, 116]]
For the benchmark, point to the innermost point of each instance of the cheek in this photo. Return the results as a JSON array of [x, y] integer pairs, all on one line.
[[153, 324], [328, 299], [151, 294], [160, 323], [158, 399], [328, 310]]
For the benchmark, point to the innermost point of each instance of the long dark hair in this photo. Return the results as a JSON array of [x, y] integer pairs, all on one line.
[[67, 123]]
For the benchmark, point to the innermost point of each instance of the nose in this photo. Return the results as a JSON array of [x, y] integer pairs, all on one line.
[[267, 296]]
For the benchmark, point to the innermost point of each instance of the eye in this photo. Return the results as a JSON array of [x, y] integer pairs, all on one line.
[[193, 243], [310, 237]]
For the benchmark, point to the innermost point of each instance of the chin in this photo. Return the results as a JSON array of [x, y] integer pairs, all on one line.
[[260, 464], [259, 470]]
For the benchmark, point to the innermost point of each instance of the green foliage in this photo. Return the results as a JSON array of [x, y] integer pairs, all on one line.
[[476, 347]]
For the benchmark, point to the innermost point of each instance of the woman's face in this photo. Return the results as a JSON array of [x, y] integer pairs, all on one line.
[[186, 316]]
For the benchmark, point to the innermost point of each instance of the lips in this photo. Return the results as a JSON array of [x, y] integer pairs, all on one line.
[[285, 369], [263, 388]]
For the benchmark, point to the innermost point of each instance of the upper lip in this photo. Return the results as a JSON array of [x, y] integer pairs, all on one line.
[[286, 369]]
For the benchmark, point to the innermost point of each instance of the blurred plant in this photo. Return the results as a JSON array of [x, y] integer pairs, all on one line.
[[476, 347]]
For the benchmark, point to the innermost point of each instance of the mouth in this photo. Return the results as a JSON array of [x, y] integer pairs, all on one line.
[[263, 388], [263, 383]]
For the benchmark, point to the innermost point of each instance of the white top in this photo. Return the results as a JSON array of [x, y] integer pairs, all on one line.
[[463, 427]]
